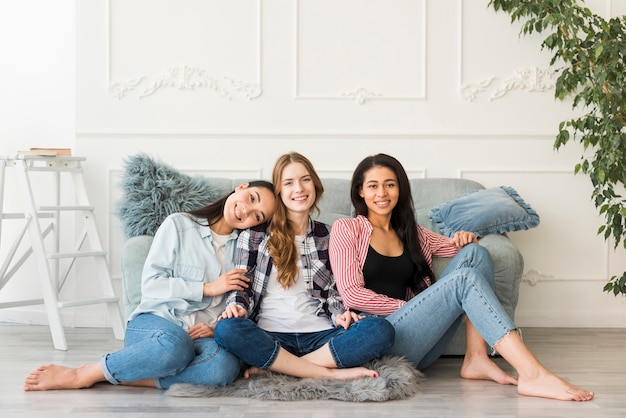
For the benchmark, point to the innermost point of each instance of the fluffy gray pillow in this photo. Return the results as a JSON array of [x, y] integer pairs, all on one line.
[[152, 190]]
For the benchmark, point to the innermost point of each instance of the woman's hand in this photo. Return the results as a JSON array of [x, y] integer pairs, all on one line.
[[462, 238], [345, 318], [201, 331], [233, 311], [233, 280]]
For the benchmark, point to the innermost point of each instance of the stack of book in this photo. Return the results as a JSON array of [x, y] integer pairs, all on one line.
[[48, 152]]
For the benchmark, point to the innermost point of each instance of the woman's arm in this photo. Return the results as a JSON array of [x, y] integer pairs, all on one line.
[[346, 267], [245, 259]]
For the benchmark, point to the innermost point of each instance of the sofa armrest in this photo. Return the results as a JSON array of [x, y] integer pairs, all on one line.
[[133, 258], [508, 268]]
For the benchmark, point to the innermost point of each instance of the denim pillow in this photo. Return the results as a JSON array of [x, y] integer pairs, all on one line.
[[490, 211]]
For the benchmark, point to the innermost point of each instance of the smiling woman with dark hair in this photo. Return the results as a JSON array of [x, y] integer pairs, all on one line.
[[169, 336], [382, 260]]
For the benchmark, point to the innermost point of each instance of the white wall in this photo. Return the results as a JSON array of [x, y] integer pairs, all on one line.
[[447, 86], [37, 103]]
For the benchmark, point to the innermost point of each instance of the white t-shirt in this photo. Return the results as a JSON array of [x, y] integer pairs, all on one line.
[[292, 309]]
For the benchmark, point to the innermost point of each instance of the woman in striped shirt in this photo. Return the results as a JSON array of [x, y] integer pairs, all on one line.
[[382, 262]]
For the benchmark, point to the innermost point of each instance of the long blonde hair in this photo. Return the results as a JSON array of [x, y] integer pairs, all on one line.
[[282, 246]]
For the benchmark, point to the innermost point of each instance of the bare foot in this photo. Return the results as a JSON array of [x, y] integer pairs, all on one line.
[[253, 371], [548, 385], [479, 367], [352, 373], [53, 377]]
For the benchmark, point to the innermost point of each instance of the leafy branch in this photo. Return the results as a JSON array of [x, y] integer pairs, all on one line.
[[588, 54]]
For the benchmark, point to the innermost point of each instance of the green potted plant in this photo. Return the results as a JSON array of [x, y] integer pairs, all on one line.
[[588, 54]]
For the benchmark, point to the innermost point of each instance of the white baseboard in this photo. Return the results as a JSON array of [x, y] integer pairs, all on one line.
[[570, 320]]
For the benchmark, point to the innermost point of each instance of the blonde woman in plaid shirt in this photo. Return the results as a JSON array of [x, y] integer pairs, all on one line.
[[291, 319]]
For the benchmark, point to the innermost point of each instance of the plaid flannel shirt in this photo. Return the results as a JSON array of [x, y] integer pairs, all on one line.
[[252, 254]]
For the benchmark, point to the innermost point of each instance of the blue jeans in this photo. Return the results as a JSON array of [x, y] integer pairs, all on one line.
[[363, 341], [426, 324], [156, 348]]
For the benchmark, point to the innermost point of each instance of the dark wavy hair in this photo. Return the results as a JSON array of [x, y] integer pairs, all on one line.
[[214, 211], [402, 217]]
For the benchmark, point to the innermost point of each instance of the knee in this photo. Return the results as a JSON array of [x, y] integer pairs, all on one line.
[[176, 352], [384, 332], [227, 329]]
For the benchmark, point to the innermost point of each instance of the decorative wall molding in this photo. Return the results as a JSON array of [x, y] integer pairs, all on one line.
[[469, 91], [185, 77], [532, 277], [362, 95], [322, 135], [529, 79]]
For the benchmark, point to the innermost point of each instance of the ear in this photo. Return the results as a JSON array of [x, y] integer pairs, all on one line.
[[242, 186], [361, 192]]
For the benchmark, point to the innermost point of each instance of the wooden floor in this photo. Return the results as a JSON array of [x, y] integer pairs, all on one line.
[[592, 358]]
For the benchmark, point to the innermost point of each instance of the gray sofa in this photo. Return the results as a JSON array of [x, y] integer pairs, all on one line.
[[427, 193]]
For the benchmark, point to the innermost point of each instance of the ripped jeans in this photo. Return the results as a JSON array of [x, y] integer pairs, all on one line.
[[426, 324]]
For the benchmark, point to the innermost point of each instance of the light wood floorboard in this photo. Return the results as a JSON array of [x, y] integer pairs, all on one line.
[[592, 358]]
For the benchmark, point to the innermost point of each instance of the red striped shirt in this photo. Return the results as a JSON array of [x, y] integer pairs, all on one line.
[[349, 242]]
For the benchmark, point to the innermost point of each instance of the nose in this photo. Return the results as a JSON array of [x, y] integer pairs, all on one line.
[[244, 211]]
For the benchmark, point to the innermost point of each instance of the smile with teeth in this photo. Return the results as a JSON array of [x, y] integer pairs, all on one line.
[[300, 198], [237, 213], [382, 203]]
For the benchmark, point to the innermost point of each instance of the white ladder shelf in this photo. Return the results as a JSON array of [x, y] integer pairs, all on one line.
[[43, 221]]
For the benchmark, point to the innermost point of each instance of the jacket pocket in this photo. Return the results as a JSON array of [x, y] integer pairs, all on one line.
[[190, 273]]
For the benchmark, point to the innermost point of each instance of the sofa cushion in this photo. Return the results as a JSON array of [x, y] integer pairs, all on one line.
[[489, 211], [152, 190]]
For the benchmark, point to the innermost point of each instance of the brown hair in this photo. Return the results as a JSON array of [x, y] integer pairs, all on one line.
[[282, 247]]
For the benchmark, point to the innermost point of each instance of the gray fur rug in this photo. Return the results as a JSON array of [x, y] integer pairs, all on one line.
[[397, 380]]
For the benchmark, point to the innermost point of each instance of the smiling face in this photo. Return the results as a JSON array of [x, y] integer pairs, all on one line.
[[249, 206], [380, 191], [297, 189]]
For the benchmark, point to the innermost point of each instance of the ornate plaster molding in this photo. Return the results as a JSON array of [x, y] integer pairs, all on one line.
[[532, 277], [361, 95], [529, 79], [119, 90], [470, 90], [187, 77]]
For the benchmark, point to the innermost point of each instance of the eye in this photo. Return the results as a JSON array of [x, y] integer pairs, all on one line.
[[257, 217], [252, 198]]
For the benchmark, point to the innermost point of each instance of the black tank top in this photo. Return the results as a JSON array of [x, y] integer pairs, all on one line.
[[390, 276]]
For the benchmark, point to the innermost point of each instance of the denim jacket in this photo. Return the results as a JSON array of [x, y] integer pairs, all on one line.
[[180, 261]]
